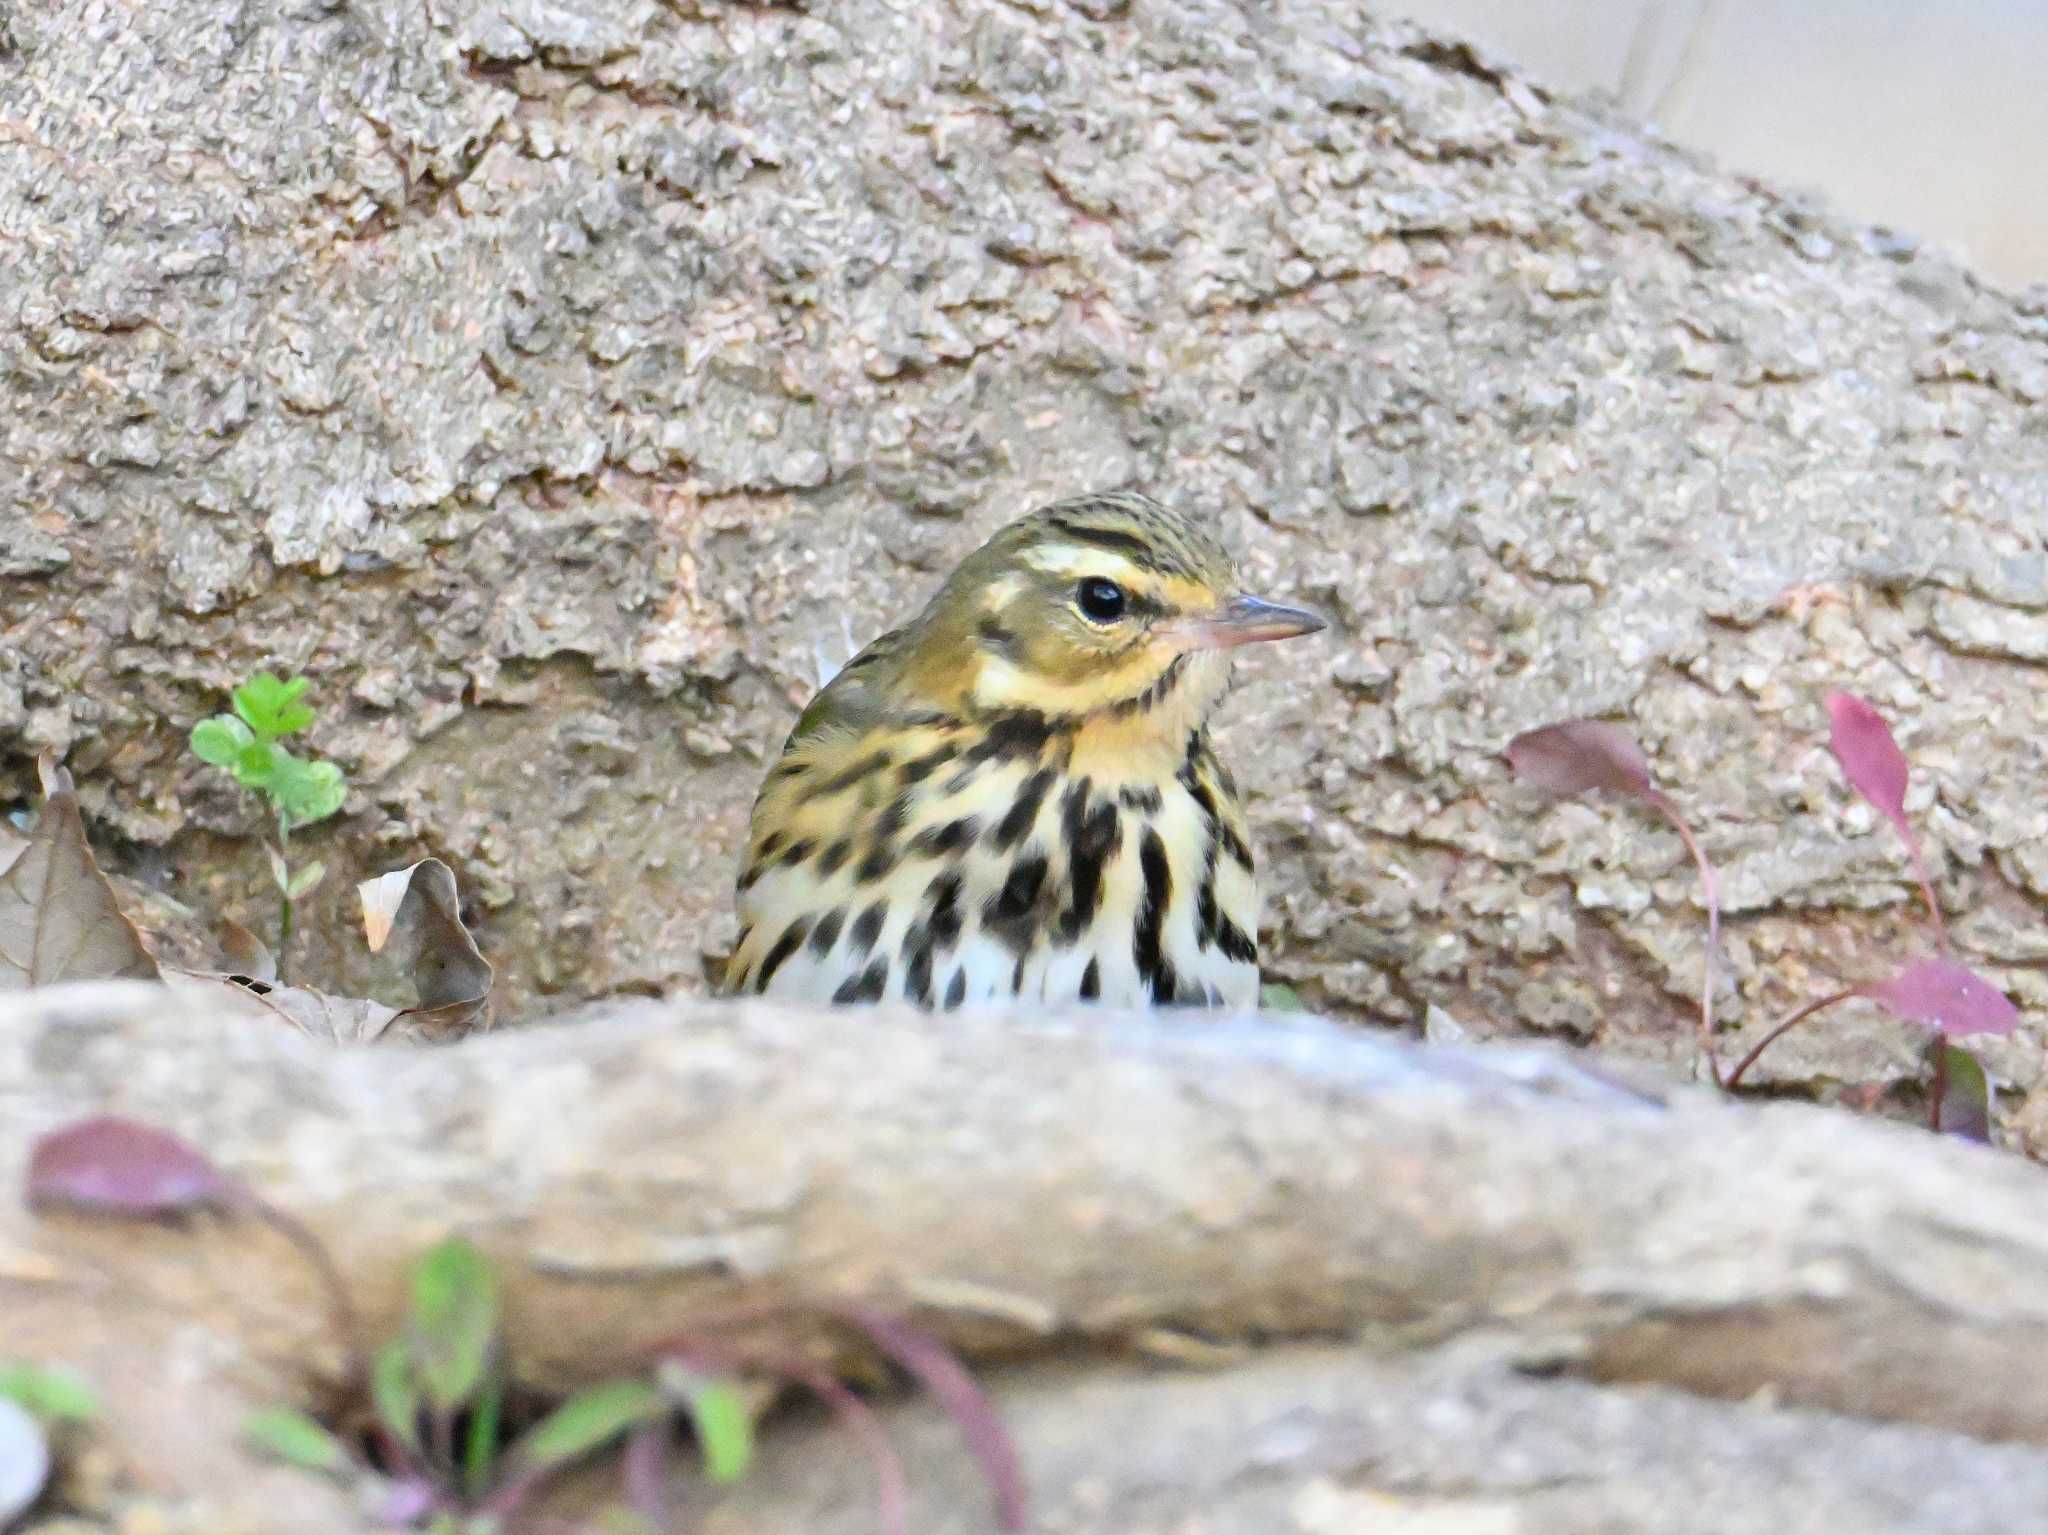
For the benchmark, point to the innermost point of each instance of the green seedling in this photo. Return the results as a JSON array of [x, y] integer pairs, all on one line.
[[297, 791]]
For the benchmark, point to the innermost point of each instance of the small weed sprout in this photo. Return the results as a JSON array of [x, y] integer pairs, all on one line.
[[247, 745]]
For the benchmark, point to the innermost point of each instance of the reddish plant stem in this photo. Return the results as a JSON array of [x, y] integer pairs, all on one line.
[[1778, 1031], [315, 1252], [441, 1442], [1710, 886], [854, 1415], [1927, 894], [643, 1470]]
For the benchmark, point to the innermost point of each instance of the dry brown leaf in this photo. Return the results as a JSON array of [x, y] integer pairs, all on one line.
[[317, 1014], [11, 844], [59, 920], [417, 912], [245, 953], [344, 1020]]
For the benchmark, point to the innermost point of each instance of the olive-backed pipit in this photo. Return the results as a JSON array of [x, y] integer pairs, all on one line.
[[1014, 794]]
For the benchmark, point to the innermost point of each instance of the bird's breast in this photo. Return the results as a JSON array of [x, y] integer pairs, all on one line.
[[947, 867]]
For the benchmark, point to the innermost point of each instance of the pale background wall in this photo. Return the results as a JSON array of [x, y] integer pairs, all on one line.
[[1928, 115]]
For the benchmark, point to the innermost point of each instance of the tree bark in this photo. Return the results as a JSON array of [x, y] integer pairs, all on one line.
[[1079, 1187]]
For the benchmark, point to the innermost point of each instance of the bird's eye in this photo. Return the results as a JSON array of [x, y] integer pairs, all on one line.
[[1100, 600]]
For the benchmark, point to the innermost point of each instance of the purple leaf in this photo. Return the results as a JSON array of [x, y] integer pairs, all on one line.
[[1870, 758], [1873, 763], [112, 1166], [1579, 756], [939, 1371], [1945, 996]]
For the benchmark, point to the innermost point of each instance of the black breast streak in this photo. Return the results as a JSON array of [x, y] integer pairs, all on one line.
[[1143, 798], [931, 938], [1010, 916], [918, 769], [867, 927], [1207, 914], [1198, 759], [868, 986], [956, 990], [761, 860], [791, 940], [1093, 835], [1147, 953], [950, 837], [1235, 846], [892, 818], [826, 933], [917, 975], [1012, 733], [840, 782], [1235, 944], [1157, 693], [1212, 927], [1022, 815], [944, 918]]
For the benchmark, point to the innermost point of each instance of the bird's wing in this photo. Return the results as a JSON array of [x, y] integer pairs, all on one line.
[[855, 701]]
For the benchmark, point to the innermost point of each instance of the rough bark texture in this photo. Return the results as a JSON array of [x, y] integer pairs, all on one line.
[[551, 382], [1083, 1189]]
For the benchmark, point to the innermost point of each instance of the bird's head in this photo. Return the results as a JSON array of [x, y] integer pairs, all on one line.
[[1108, 604]]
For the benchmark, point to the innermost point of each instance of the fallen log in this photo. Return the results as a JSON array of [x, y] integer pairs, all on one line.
[[1084, 1184]]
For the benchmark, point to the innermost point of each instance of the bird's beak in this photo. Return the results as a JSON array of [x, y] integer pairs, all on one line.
[[1245, 621]]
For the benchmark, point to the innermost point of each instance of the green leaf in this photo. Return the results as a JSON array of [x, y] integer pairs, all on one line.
[[270, 707], [396, 1394], [725, 1429], [1965, 1108], [454, 1321], [481, 1447], [304, 880], [305, 792], [254, 764], [51, 1395], [295, 1439], [1278, 997], [588, 1421], [220, 740]]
